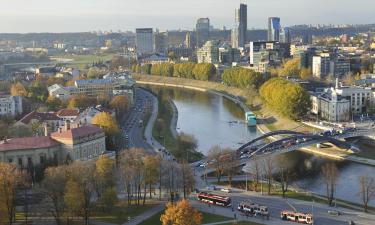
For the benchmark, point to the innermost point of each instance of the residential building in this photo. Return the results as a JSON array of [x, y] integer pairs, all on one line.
[[10, 105], [209, 53], [144, 40], [263, 51], [321, 65], [189, 41], [239, 31], [202, 31], [273, 29], [86, 116], [68, 114], [361, 98]]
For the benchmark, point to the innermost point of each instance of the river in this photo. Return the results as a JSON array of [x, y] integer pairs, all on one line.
[[215, 120]]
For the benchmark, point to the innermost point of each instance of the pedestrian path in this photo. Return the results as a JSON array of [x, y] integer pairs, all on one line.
[[146, 215], [222, 222]]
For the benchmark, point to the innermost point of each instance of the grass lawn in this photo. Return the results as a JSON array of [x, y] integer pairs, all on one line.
[[207, 218], [81, 60], [121, 212]]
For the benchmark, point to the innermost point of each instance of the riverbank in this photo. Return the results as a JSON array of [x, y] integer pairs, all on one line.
[[267, 122]]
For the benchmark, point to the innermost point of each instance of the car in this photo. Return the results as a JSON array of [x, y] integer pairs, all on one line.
[[226, 190]]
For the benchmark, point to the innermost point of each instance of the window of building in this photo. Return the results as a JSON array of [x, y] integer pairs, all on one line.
[[20, 162], [42, 159], [10, 160]]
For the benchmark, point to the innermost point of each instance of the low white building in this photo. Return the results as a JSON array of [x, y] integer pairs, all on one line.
[[10, 105], [330, 106]]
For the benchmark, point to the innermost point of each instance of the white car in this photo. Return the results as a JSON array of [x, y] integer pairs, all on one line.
[[226, 190]]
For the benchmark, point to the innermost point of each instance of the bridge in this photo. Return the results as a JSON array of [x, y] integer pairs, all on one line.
[[297, 140]]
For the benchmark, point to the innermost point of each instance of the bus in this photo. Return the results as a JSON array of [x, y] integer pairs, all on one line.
[[297, 217], [252, 209], [214, 199]]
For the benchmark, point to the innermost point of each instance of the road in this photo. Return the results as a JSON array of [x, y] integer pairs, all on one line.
[[132, 129], [277, 204]]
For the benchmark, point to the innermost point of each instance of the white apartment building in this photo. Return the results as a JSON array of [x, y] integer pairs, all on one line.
[[360, 98], [10, 105], [321, 65], [209, 53], [330, 106]]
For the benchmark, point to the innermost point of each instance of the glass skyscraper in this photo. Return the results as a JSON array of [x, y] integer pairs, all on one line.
[[274, 29], [239, 32], [203, 31]]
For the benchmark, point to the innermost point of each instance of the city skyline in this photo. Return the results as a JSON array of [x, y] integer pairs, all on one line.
[[87, 15]]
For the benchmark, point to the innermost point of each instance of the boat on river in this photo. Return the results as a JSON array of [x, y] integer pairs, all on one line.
[[251, 118]]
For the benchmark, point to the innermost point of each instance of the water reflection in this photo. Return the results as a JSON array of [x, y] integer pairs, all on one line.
[[214, 120]]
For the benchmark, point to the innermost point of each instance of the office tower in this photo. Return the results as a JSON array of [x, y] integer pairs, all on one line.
[[144, 40], [273, 29], [239, 31], [285, 35], [160, 42], [203, 31], [307, 37]]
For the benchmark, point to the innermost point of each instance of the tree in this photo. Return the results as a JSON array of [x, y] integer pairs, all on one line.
[[330, 175], [215, 157], [366, 190], [104, 171], [305, 74], [18, 90], [106, 122], [81, 101], [80, 189], [151, 171], [53, 186], [160, 126], [255, 172], [231, 163], [268, 169], [120, 104], [186, 144], [93, 73], [10, 179], [290, 68], [188, 181], [54, 103], [181, 213], [109, 198], [242, 78], [284, 97]]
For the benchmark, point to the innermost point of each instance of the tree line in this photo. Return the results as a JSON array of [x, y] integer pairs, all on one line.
[[242, 78], [81, 189], [286, 98], [197, 71]]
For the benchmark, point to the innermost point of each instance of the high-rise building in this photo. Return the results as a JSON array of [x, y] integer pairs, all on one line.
[[274, 29], [321, 65], [239, 31], [160, 42], [144, 40], [209, 53], [203, 31], [285, 35]]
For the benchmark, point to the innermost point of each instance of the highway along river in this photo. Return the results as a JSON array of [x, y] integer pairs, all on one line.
[[215, 120]]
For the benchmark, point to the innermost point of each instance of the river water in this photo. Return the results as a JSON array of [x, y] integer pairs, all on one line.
[[215, 120]]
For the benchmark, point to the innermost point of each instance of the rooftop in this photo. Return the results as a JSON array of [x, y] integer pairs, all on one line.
[[67, 112], [40, 116], [77, 132], [27, 143]]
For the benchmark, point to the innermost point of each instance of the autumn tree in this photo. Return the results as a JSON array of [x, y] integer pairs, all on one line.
[[151, 171], [53, 187], [10, 179], [80, 189], [268, 168], [366, 190], [94, 73], [255, 172], [120, 104], [231, 163], [330, 175], [105, 121], [18, 90], [181, 213], [242, 78], [186, 145], [81, 101], [54, 103], [104, 172], [160, 126]]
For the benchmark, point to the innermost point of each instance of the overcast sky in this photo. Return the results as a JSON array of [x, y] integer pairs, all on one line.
[[88, 15]]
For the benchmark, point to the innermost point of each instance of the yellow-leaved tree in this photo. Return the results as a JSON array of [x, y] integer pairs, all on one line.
[[181, 213], [18, 90], [106, 122]]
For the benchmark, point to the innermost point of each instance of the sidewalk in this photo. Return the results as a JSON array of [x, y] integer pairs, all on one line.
[[146, 215]]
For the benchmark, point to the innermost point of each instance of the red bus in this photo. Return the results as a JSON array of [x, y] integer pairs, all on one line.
[[214, 199], [297, 217]]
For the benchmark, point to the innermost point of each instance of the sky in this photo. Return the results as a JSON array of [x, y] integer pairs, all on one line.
[[22, 16]]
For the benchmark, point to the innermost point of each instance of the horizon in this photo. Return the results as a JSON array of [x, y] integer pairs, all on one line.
[[43, 16]]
